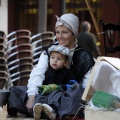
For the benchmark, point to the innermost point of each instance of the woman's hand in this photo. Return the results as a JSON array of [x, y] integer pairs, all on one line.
[[30, 102]]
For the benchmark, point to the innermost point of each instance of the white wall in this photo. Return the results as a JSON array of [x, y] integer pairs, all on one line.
[[4, 16]]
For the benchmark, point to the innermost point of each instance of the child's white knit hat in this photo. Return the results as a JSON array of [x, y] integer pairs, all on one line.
[[61, 49]]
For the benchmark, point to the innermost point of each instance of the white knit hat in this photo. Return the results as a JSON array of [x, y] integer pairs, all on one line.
[[61, 49], [70, 21]]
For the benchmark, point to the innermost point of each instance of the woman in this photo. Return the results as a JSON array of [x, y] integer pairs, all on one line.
[[81, 63]]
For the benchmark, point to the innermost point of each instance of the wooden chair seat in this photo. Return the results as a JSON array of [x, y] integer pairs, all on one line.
[[12, 56], [17, 41], [3, 73], [42, 42], [23, 39], [14, 75], [36, 44], [47, 41], [35, 37], [23, 32], [2, 40], [23, 80], [2, 33], [3, 60], [3, 67], [20, 74], [20, 47], [37, 55], [25, 53], [20, 61], [11, 43], [20, 68], [2, 81], [25, 72], [2, 47], [37, 49], [12, 49], [42, 36], [14, 69], [18, 33], [47, 34], [25, 46], [25, 66], [10, 35], [2, 53], [13, 63], [26, 60], [15, 79], [18, 55]]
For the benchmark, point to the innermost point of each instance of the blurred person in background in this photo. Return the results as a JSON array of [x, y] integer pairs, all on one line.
[[87, 40]]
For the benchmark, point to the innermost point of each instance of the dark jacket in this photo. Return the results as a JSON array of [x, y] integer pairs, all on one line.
[[87, 41], [82, 62], [60, 77]]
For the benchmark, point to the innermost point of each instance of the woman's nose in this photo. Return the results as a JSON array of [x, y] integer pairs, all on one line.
[[60, 35]]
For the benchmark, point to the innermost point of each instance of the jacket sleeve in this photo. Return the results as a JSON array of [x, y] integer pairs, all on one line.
[[82, 63], [37, 74], [94, 46], [86, 78]]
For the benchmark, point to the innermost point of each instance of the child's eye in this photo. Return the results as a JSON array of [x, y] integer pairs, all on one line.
[[52, 57], [59, 58]]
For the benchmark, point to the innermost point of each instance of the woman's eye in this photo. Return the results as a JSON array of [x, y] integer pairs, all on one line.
[[57, 32], [64, 32]]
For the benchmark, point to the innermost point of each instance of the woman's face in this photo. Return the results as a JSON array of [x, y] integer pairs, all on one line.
[[65, 37]]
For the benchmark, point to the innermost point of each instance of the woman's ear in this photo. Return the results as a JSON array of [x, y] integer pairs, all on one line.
[[75, 39]]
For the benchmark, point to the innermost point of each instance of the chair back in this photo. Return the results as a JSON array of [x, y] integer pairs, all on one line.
[[19, 56], [39, 42], [2, 34], [3, 60], [111, 38]]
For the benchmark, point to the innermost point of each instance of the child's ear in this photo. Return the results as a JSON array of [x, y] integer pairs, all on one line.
[[66, 64]]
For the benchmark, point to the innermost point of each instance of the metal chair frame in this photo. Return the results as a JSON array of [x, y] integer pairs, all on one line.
[[110, 38]]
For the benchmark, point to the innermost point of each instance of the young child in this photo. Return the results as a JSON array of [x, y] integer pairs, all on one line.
[[57, 76]]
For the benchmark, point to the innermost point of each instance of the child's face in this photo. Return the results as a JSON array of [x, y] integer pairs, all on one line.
[[57, 60]]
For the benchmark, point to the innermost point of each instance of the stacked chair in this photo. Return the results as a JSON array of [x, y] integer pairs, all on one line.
[[3, 61], [21, 53], [19, 57], [39, 42]]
